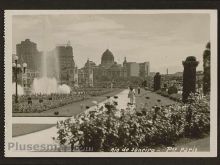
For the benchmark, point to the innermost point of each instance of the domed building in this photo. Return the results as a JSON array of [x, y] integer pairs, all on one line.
[[107, 59], [108, 70]]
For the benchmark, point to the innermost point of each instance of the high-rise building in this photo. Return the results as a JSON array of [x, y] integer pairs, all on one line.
[[27, 53], [65, 56], [66, 63], [144, 69], [133, 69]]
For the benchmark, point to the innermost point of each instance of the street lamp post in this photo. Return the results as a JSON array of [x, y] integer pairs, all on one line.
[[17, 69], [16, 85], [24, 67]]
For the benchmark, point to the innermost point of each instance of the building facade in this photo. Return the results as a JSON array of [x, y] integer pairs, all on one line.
[[27, 52], [144, 69], [27, 80], [85, 74], [57, 63], [133, 69], [107, 59], [66, 64], [109, 72], [101, 75]]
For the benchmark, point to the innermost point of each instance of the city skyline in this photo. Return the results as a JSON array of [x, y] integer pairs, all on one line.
[[169, 37]]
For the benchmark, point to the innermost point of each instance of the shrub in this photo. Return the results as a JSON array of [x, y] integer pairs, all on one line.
[[172, 90], [56, 113], [109, 127], [176, 97], [164, 93], [29, 102], [158, 91]]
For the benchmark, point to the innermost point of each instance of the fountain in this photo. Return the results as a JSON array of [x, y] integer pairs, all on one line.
[[46, 84], [65, 89]]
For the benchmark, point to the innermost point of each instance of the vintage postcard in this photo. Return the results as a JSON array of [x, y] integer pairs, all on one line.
[[110, 83]]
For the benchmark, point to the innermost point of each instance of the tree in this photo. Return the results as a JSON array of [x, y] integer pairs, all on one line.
[[206, 69], [144, 83], [189, 77], [157, 81]]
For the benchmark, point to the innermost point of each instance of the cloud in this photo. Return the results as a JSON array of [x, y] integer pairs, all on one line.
[[94, 26], [163, 39]]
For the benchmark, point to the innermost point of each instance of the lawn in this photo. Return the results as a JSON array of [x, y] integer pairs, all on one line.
[[23, 129], [150, 99], [64, 111]]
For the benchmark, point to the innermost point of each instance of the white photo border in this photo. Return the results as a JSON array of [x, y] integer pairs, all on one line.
[[8, 86]]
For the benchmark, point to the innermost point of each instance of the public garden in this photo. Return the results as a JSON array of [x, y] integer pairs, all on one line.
[[104, 119], [156, 122]]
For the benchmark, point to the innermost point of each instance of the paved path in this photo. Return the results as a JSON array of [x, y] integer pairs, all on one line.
[[37, 120], [45, 136]]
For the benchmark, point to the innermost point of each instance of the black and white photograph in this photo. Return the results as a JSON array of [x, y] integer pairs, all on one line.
[[113, 83]]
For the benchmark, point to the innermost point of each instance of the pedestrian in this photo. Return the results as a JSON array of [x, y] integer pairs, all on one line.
[[111, 85], [81, 106], [139, 90], [131, 95]]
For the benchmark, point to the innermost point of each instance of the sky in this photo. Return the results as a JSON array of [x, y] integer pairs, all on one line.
[[165, 40]]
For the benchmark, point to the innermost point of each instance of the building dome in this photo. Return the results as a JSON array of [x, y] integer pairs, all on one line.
[[107, 58]]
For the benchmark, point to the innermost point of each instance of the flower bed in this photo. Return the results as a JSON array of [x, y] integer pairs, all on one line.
[[42, 102], [174, 96], [108, 127], [45, 104]]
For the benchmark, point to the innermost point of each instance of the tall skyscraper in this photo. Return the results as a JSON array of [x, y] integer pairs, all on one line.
[[66, 63], [144, 69], [27, 53]]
